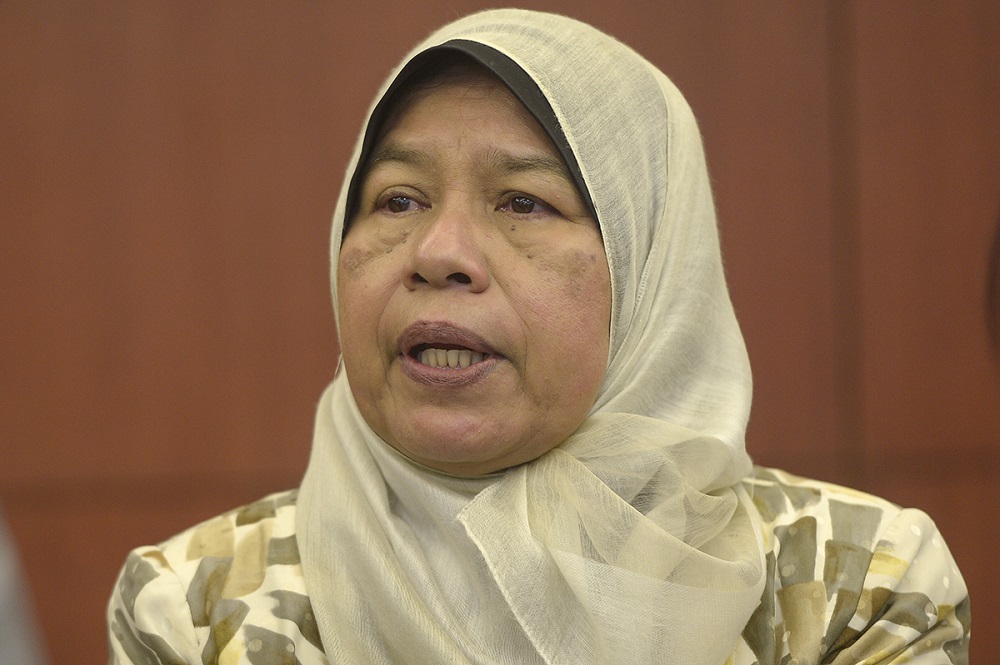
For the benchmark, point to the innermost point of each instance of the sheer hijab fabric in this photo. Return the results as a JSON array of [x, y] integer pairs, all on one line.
[[632, 541]]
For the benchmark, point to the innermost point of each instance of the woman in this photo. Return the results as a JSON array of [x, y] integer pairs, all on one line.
[[534, 450]]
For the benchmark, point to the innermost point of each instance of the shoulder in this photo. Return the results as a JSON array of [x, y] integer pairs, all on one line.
[[231, 586], [854, 575], [266, 525], [788, 501]]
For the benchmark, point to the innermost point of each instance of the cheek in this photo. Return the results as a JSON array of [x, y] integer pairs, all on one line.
[[582, 285], [363, 276], [590, 280], [367, 267], [356, 258], [588, 290], [572, 315], [366, 263]]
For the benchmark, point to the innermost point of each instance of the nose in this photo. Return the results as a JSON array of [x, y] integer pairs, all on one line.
[[448, 252]]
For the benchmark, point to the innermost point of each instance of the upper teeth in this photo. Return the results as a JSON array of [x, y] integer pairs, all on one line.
[[452, 358]]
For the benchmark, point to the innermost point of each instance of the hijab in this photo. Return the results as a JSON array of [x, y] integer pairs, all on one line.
[[630, 542]]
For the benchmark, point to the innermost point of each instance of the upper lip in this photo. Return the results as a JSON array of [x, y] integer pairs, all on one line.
[[440, 334]]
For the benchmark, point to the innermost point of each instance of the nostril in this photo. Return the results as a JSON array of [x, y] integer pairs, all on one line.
[[433, 278]]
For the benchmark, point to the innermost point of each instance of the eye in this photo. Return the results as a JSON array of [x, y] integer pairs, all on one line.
[[521, 204], [396, 204]]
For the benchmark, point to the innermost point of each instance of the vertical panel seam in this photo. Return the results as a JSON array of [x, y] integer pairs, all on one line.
[[842, 42]]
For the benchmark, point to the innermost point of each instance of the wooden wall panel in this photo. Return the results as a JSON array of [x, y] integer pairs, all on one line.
[[160, 213], [167, 173], [74, 544], [929, 159], [928, 192], [763, 105]]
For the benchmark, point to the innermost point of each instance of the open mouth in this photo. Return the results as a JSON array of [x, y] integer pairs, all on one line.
[[447, 357], [442, 345]]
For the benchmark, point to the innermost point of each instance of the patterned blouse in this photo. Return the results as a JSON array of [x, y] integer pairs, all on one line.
[[850, 579]]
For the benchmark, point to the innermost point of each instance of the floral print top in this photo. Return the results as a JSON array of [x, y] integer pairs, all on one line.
[[851, 579]]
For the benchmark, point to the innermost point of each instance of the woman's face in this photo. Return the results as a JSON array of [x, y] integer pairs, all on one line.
[[473, 286]]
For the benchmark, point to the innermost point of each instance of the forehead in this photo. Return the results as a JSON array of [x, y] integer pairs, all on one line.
[[440, 71], [463, 113]]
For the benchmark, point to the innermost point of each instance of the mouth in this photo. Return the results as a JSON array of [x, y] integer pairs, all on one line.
[[444, 347], [446, 357]]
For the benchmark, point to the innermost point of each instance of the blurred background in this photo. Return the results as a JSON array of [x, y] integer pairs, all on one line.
[[167, 175]]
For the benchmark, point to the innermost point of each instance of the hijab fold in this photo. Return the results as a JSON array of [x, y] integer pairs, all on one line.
[[632, 541]]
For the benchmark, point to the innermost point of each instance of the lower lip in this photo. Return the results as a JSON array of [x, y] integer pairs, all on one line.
[[447, 377]]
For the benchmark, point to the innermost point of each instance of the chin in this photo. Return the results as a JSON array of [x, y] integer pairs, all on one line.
[[470, 452]]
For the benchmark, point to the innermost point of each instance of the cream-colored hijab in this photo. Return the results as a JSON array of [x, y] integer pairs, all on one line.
[[631, 542]]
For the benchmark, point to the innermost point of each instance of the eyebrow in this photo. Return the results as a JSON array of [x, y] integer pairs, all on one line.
[[396, 153], [511, 165], [497, 161]]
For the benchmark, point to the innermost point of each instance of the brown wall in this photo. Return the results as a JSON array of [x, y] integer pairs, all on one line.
[[167, 171]]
